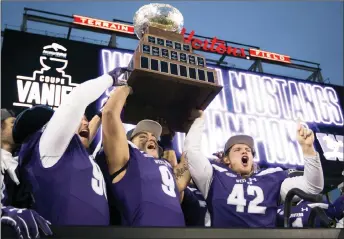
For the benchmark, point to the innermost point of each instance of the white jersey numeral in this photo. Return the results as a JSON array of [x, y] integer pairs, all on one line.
[[253, 206], [237, 198], [97, 181], [168, 185], [297, 222]]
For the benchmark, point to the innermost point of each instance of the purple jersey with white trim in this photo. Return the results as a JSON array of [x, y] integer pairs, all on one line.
[[234, 201], [71, 192], [147, 195], [299, 215], [300, 212]]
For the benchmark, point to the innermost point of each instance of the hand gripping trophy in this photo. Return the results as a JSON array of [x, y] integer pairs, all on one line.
[[167, 78]]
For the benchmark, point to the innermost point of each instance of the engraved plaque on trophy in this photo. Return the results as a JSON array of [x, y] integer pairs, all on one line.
[[167, 78]]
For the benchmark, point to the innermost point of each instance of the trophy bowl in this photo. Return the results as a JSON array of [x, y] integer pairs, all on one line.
[[159, 15]]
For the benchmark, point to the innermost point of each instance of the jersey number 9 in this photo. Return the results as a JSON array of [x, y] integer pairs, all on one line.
[[97, 182], [168, 185]]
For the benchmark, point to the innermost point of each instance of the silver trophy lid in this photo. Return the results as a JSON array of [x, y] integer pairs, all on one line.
[[159, 15]]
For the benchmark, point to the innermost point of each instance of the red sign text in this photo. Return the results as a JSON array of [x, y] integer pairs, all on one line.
[[215, 45], [96, 23], [269, 56]]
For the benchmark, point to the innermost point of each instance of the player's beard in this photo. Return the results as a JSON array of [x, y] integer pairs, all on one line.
[[246, 175], [143, 146]]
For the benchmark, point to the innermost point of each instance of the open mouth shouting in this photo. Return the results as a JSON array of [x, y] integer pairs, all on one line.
[[151, 145], [84, 133], [244, 160]]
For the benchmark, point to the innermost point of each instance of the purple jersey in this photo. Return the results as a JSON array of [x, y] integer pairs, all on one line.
[[234, 201], [195, 208], [300, 212], [299, 215], [147, 195], [72, 192]]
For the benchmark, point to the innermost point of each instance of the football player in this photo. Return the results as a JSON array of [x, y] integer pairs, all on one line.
[[14, 191], [147, 192], [300, 212], [237, 194], [193, 204], [67, 184], [8, 162], [25, 222]]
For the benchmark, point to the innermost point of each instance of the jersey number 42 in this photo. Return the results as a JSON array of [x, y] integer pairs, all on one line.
[[237, 198]]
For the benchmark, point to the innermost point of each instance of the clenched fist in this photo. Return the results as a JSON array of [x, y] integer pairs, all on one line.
[[305, 137]]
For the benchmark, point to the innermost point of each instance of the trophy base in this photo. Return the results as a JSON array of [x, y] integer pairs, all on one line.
[[166, 96]]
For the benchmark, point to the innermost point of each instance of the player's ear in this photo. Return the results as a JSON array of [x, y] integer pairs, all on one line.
[[226, 160]]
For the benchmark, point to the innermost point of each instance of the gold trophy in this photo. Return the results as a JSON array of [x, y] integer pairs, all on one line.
[[167, 78]]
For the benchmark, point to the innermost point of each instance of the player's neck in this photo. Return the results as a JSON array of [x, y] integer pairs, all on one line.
[[8, 147], [246, 175]]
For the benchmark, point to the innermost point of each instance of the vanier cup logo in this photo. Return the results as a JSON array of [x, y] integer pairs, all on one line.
[[167, 78]]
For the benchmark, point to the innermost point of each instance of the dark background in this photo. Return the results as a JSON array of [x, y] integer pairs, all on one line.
[[20, 56]]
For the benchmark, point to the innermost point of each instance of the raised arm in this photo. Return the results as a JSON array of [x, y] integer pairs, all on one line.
[[94, 125], [312, 180], [181, 169], [114, 137], [67, 117], [182, 173], [199, 166]]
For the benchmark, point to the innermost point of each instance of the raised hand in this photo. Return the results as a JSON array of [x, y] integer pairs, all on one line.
[[305, 137], [26, 222], [116, 73]]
